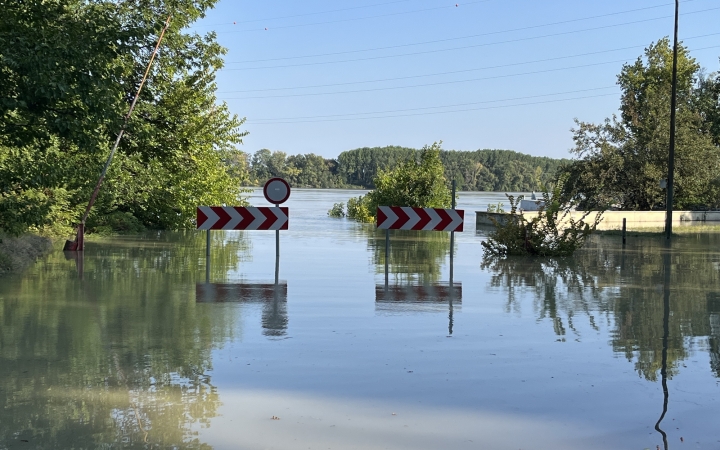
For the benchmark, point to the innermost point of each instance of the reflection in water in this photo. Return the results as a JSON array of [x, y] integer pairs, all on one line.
[[119, 358], [419, 298], [603, 281], [415, 256], [273, 297], [713, 307], [667, 268], [418, 294], [414, 267]]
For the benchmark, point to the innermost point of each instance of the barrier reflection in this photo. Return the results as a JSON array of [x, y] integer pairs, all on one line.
[[437, 297], [272, 297], [411, 278]]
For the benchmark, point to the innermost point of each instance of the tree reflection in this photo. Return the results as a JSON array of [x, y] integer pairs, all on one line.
[[624, 287], [415, 256], [119, 358]]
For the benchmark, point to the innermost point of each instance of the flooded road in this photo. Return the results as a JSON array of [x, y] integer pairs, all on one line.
[[138, 351]]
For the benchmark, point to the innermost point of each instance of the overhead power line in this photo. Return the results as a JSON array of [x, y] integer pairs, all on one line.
[[358, 18], [439, 83], [535, 72], [390, 47], [454, 72], [317, 13], [435, 112], [456, 105], [486, 44]]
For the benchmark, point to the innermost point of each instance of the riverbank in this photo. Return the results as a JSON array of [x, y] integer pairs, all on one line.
[[18, 253]]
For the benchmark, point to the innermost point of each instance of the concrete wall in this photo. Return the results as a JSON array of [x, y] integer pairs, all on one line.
[[612, 220]]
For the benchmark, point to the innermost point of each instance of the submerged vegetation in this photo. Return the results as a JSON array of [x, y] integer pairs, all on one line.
[[553, 232], [417, 183]]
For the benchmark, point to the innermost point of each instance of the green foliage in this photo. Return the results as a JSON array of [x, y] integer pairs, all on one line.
[[496, 208], [68, 71], [17, 253], [358, 209], [338, 210], [551, 233], [420, 184], [622, 160]]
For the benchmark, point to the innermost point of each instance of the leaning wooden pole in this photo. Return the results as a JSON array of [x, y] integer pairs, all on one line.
[[79, 243]]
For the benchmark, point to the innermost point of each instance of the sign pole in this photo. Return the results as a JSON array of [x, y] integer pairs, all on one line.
[[207, 257], [387, 256], [277, 253], [452, 238]]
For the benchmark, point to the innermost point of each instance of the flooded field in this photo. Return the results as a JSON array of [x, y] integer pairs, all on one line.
[[131, 346]]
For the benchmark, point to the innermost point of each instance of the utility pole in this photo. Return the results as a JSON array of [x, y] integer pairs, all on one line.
[[671, 156]]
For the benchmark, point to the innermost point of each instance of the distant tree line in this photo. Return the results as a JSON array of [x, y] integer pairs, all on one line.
[[480, 170]]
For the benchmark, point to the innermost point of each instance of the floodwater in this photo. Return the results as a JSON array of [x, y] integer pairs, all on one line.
[[131, 347]]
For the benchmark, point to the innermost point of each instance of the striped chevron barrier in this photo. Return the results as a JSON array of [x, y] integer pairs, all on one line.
[[426, 219], [241, 218]]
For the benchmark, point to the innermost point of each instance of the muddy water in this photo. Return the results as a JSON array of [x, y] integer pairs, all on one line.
[[131, 347]]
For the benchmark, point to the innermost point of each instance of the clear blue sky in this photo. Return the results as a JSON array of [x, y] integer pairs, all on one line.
[[321, 76]]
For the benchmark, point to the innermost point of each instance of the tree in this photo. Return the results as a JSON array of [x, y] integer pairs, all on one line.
[[419, 184], [68, 71], [553, 232], [623, 159]]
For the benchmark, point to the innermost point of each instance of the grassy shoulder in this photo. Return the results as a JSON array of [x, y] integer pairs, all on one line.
[[18, 253]]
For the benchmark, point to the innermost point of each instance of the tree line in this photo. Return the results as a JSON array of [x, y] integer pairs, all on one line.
[[480, 170]]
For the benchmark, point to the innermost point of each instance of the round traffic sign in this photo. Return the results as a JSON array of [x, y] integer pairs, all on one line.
[[276, 190]]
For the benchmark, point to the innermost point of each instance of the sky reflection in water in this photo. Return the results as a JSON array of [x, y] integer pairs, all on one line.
[[543, 353]]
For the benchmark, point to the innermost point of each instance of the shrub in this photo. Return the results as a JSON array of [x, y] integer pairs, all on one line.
[[419, 183], [551, 233], [358, 209], [338, 210], [498, 207]]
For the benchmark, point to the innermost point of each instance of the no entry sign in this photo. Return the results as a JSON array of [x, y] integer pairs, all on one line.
[[276, 191]]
